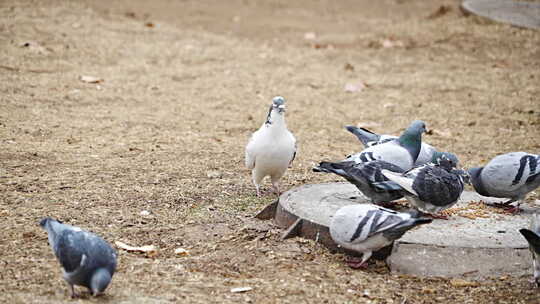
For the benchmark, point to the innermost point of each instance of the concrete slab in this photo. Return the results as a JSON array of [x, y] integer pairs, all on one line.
[[489, 245], [518, 13]]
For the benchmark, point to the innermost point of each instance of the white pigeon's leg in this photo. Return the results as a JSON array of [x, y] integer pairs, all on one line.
[[257, 178], [275, 183]]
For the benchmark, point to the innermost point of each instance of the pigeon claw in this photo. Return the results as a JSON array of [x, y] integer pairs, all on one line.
[[507, 207], [438, 216], [356, 263]]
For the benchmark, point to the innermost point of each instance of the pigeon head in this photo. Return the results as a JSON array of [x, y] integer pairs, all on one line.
[[277, 107], [45, 220], [445, 159], [411, 139], [476, 181], [99, 281]]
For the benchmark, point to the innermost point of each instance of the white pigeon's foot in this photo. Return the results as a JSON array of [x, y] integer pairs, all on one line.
[[275, 188]]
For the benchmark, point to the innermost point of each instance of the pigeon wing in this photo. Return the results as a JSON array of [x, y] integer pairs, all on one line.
[[251, 151], [69, 249], [377, 221], [295, 150], [436, 185]]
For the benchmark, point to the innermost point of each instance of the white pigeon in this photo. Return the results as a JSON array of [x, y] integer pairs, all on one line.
[[272, 148], [87, 259], [402, 151], [511, 175], [369, 138], [533, 238], [365, 228]]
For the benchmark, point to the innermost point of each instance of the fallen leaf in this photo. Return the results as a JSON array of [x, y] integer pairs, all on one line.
[[240, 289], [214, 174], [441, 11], [149, 250], [28, 234], [149, 24], [90, 79], [388, 43], [310, 36], [349, 67], [354, 87], [463, 283], [181, 252]]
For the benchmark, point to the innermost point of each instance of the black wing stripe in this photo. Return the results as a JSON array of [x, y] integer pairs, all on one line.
[[522, 164], [361, 225]]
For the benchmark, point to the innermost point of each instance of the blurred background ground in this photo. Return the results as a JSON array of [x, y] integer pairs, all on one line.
[[184, 83]]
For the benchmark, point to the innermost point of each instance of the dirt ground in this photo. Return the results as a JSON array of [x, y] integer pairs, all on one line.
[[184, 83]]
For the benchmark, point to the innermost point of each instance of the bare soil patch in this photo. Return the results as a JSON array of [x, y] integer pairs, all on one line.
[[184, 85]]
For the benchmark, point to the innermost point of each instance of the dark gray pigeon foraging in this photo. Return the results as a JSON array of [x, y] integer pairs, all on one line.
[[368, 178], [86, 259], [533, 238], [433, 187], [369, 138], [512, 175], [365, 228], [402, 151], [363, 175]]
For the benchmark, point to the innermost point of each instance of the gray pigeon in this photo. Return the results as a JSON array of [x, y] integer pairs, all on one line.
[[511, 175], [87, 260], [533, 238], [365, 228], [368, 139], [272, 148], [431, 188], [367, 177], [363, 175], [402, 151]]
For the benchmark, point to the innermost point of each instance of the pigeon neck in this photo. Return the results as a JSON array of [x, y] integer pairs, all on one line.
[[412, 142], [476, 181], [277, 120]]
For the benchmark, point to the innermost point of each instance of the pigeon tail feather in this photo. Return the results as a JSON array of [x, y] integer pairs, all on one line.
[[364, 135]]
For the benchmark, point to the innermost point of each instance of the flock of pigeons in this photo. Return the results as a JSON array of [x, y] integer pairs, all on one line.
[[388, 169]]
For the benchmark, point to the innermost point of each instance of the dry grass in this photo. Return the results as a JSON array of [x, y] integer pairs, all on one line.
[[185, 83]]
